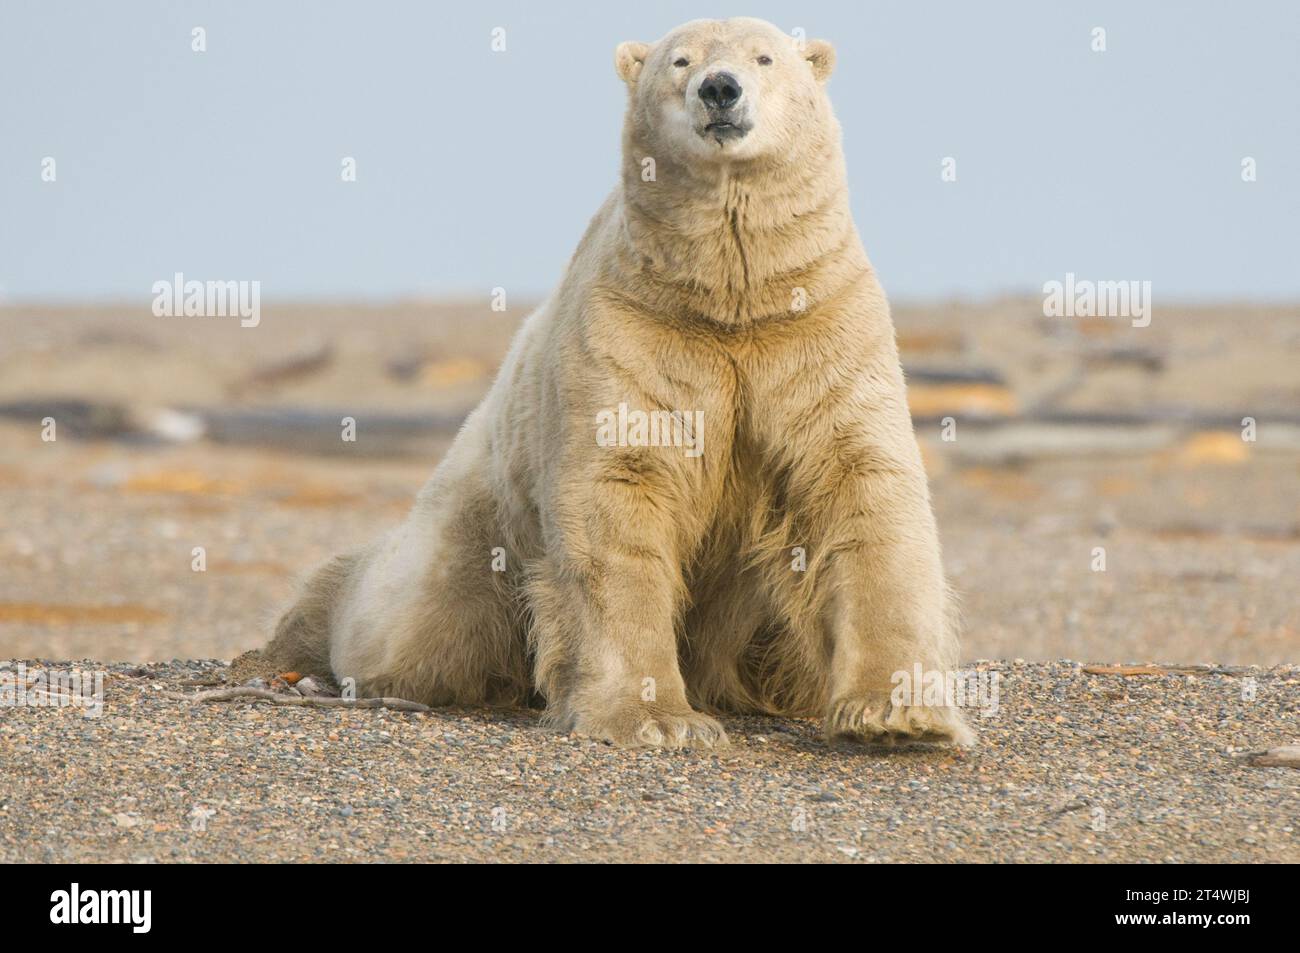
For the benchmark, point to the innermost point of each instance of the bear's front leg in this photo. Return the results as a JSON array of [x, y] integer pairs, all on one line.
[[606, 603], [889, 614], [889, 619], [886, 610]]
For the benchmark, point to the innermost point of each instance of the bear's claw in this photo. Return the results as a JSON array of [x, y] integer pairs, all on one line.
[[879, 720], [639, 728]]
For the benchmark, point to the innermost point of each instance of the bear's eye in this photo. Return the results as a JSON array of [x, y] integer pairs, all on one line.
[[681, 61], [765, 60]]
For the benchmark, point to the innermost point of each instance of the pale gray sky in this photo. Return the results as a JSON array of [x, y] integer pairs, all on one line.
[[478, 169]]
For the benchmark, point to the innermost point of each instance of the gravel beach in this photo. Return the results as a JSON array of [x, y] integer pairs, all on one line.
[[1071, 766]]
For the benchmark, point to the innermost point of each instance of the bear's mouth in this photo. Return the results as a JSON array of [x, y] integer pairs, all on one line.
[[724, 130]]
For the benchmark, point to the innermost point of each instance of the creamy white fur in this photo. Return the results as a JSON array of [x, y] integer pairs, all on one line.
[[644, 588]]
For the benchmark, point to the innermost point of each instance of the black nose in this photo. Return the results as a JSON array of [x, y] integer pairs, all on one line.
[[720, 91]]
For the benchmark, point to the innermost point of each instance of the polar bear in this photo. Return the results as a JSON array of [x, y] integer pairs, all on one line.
[[694, 487]]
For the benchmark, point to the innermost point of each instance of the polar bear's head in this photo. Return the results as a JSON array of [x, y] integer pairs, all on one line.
[[725, 89]]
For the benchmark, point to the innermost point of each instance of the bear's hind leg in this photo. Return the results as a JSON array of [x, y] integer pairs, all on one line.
[[433, 614]]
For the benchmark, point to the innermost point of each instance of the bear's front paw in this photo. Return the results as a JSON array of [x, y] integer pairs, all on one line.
[[640, 726], [875, 718]]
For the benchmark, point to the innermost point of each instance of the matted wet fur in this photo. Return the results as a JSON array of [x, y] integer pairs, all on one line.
[[791, 566]]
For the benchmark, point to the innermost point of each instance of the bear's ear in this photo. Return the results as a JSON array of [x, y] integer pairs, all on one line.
[[821, 56], [628, 60]]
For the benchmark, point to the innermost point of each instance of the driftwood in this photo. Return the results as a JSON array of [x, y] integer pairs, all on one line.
[[1158, 669], [277, 698], [1286, 756]]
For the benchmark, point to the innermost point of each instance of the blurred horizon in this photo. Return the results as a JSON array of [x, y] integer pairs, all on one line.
[[525, 304], [225, 164]]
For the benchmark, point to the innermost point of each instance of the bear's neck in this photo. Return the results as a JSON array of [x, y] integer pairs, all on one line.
[[735, 243]]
